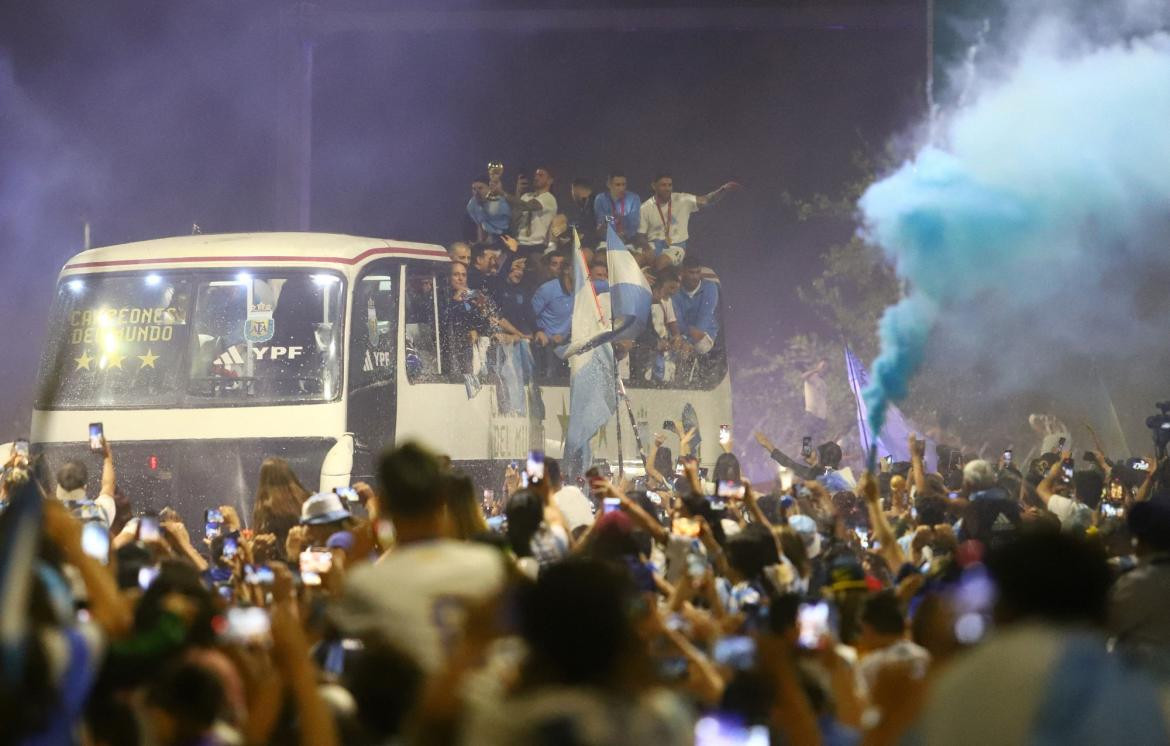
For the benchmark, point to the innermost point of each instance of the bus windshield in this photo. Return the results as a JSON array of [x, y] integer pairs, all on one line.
[[193, 339]]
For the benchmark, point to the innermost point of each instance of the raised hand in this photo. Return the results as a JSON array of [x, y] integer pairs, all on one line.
[[764, 441]]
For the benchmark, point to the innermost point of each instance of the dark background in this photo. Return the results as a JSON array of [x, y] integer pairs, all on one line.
[[146, 118]]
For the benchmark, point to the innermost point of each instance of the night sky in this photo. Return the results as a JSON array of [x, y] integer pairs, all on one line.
[[146, 118]]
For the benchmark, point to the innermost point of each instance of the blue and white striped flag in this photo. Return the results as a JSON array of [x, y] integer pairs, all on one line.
[[629, 293], [592, 371], [894, 437], [629, 298]]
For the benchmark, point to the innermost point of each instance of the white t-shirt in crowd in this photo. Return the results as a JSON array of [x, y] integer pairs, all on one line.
[[668, 316], [575, 506], [534, 225], [652, 217], [816, 397], [1067, 510], [416, 596], [901, 652], [104, 502]]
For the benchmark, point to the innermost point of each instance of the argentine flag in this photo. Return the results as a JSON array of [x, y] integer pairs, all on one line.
[[629, 299], [629, 293], [894, 438], [592, 371]]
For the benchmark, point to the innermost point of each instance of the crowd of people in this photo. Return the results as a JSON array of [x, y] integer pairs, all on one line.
[[511, 281], [980, 603]]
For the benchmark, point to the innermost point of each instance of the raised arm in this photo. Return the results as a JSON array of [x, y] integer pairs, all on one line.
[[639, 516], [707, 683], [917, 463], [752, 502], [1045, 488], [1099, 452], [109, 478], [801, 470], [691, 471], [1147, 485], [106, 606], [651, 472], [290, 653], [713, 197], [889, 549]]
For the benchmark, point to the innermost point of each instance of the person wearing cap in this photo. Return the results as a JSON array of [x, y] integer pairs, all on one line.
[[323, 515], [806, 529]]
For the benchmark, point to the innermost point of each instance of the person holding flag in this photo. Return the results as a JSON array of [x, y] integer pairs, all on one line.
[[626, 304], [593, 382], [592, 369]]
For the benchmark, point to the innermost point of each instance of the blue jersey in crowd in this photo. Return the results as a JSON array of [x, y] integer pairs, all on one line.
[[626, 213], [492, 215], [553, 308], [698, 310]]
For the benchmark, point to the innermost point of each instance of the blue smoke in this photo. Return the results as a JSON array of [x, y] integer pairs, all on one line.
[[1048, 177]]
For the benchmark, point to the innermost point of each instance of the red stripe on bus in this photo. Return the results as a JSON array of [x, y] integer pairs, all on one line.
[[317, 259]]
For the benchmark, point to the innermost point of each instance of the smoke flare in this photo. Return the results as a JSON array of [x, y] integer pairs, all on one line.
[[1046, 176]]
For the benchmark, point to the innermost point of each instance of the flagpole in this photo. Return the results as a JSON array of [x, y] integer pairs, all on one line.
[[617, 389], [634, 424], [867, 447]]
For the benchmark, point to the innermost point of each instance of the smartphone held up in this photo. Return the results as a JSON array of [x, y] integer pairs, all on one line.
[[97, 437], [534, 468]]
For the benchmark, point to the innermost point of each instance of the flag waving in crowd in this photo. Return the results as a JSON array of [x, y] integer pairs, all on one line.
[[592, 369], [629, 293], [892, 440], [629, 299]]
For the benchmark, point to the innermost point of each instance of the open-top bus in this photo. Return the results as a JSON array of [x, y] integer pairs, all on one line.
[[202, 355]]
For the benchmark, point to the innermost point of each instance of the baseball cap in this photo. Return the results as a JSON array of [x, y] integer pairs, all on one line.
[[806, 528], [324, 507], [846, 573]]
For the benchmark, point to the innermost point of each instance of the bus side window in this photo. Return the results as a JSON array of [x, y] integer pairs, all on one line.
[[423, 361], [374, 322]]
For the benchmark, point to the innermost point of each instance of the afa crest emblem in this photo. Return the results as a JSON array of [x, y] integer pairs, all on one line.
[[259, 326]]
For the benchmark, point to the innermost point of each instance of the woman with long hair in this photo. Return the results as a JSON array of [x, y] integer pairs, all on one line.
[[278, 500]]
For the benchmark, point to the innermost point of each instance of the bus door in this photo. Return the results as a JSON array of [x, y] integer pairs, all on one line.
[[373, 359]]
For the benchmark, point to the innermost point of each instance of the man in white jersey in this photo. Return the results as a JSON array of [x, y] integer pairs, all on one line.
[[536, 209], [665, 218], [416, 595]]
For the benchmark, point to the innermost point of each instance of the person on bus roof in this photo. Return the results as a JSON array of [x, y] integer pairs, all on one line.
[[694, 306]]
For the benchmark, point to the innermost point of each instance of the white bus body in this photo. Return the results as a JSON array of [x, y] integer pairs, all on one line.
[[191, 354]]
